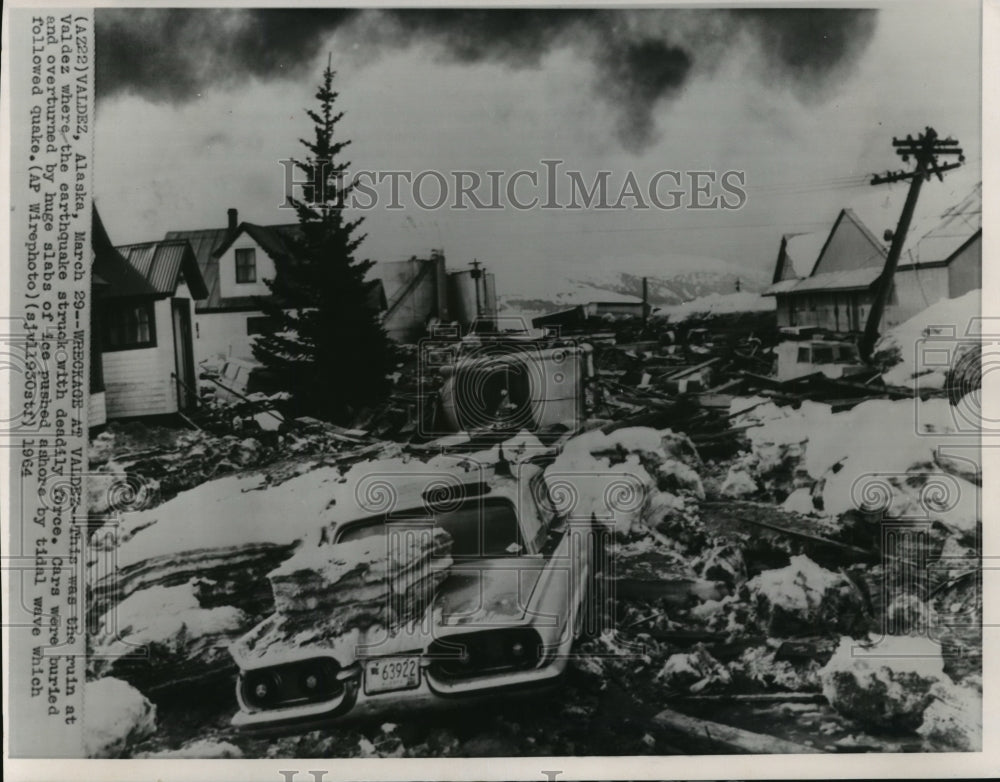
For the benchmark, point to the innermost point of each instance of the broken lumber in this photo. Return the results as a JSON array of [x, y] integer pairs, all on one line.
[[727, 737], [759, 697]]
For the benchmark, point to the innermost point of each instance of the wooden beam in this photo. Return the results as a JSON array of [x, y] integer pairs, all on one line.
[[727, 737]]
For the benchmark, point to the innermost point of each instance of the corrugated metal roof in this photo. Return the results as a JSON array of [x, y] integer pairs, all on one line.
[[160, 266], [118, 276], [854, 279], [209, 243]]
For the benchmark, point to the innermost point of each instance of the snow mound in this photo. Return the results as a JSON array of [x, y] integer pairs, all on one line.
[[885, 684], [805, 599], [954, 719], [900, 348], [621, 478], [117, 716], [183, 639], [902, 458]]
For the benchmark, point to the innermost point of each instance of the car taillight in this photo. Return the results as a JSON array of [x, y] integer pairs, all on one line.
[[477, 654], [284, 685]]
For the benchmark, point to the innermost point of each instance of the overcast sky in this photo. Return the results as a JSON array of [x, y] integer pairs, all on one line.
[[197, 108]]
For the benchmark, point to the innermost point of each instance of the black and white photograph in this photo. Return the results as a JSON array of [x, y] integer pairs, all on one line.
[[509, 382]]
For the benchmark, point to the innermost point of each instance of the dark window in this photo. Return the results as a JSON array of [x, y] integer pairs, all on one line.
[[823, 354], [803, 356], [129, 325], [846, 354], [260, 325], [246, 265]]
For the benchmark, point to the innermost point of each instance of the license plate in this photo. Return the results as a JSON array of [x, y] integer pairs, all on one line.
[[392, 673]]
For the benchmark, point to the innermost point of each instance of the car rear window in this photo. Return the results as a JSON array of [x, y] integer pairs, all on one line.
[[480, 529]]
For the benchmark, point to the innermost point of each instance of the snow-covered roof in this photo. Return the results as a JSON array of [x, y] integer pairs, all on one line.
[[853, 279], [802, 250], [936, 237], [782, 286]]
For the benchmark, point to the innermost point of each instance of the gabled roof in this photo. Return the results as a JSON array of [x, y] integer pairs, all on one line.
[[878, 249], [797, 256], [803, 251], [112, 273], [210, 243], [161, 266], [937, 238]]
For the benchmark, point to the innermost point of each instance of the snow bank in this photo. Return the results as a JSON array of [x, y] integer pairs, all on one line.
[[902, 457], [117, 716], [882, 455], [900, 348]]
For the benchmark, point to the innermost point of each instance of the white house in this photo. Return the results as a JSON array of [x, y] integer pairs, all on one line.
[[142, 328], [235, 261]]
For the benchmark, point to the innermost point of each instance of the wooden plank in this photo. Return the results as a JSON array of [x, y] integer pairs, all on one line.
[[759, 697], [727, 737]]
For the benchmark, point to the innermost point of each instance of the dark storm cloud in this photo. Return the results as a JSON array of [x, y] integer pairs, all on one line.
[[640, 58]]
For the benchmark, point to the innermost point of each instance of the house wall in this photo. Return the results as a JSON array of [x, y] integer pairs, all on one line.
[[965, 272], [227, 270], [138, 382], [848, 249], [222, 334], [97, 413], [836, 311], [783, 311], [916, 290]]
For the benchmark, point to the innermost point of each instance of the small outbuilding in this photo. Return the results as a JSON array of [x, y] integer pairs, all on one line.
[[142, 326]]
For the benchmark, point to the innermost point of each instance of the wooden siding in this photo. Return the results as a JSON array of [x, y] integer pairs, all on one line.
[[139, 382]]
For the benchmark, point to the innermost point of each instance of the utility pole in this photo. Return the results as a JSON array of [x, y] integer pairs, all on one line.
[[925, 149], [476, 274]]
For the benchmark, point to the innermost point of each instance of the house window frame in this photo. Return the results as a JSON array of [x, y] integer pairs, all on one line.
[[109, 320], [252, 266]]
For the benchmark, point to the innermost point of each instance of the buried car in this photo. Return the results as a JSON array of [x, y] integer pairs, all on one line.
[[518, 589]]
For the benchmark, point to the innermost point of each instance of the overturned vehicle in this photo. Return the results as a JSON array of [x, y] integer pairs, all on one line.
[[430, 593]]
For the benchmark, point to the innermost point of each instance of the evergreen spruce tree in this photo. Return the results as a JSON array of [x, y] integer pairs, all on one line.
[[329, 348]]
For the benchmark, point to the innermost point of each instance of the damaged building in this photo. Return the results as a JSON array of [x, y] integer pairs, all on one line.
[[828, 281]]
